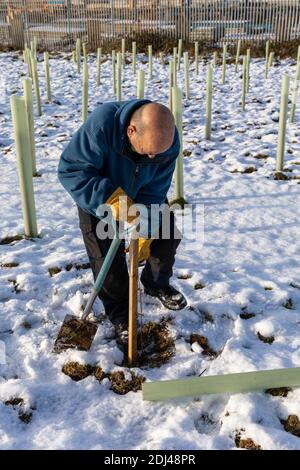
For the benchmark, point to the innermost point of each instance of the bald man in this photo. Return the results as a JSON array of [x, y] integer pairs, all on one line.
[[126, 149]]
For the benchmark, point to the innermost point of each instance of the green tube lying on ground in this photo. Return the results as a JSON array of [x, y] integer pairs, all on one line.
[[244, 382]]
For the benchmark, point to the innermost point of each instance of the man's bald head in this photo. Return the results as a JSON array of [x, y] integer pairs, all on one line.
[[151, 129]]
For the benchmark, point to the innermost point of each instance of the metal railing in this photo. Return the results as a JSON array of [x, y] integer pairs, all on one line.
[[57, 23]]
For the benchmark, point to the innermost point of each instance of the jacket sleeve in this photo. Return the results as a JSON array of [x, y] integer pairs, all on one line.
[[80, 168]]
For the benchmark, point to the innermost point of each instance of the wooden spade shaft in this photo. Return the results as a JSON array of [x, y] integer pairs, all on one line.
[[133, 301]]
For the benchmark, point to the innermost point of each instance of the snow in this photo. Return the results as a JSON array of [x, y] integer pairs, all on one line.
[[249, 262]]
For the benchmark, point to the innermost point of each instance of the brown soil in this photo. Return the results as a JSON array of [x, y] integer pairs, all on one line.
[[199, 285], [246, 316], [121, 386], [75, 333], [24, 416], [278, 175], [16, 401], [203, 342], [288, 304], [184, 276], [250, 169], [292, 425], [8, 240], [77, 371], [265, 339]]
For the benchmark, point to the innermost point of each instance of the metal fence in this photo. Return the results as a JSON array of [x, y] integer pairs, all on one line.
[[57, 23]]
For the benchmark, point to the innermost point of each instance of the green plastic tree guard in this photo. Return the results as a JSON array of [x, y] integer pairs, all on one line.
[[113, 69], [248, 71], [85, 85], [186, 75], [36, 84], [134, 57], [140, 84], [23, 153], [78, 54], [244, 83], [123, 52], [237, 57], [179, 52], [99, 58], [295, 93], [267, 58], [150, 62], [47, 75], [119, 76], [244, 382], [224, 64], [27, 86], [196, 58], [177, 113], [285, 84], [209, 77]]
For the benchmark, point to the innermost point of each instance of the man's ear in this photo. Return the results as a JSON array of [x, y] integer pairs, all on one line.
[[130, 130]]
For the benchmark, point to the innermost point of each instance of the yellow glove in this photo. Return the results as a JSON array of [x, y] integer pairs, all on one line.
[[120, 204], [144, 248]]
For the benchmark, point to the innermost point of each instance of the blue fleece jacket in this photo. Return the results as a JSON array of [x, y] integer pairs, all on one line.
[[98, 160]]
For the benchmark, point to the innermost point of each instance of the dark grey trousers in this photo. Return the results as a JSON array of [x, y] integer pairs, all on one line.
[[156, 273]]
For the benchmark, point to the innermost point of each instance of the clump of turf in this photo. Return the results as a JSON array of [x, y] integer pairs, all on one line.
[[54, 270], [265, 339], [278, 392], [155, 344], [247, 444], [77, 371], [292, 425], [121, 386], [203, 342], [24, 416]]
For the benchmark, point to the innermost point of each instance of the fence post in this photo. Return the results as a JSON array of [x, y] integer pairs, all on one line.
[[282, 122], [23, 153]]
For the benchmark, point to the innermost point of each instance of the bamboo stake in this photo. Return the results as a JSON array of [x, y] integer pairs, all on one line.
[[295, 94], [282, 122], [140, 84], [179, 52], [119, 76], [85, 84], [237, 57], [244, 87], [196, 58], [27, 86], [99, 57], [134, 57], [209, 76], [150, 62], [23, 153], [47, 75], [133, 301], [224, 64], [177, 113], [186, 75], [36, 84]]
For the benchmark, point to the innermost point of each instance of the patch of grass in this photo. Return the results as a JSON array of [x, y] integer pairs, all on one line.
[[268, 288], [203, 342], [155, 344], [54, 270], [9, 239], [199, 285], [16, 401], [184, 276], [187, 153], [246, 315], [288, 304], [265, 339], [292, 425], [9, 265], [278, 392], [278, 175], [77, 371], [121, 386], [250, 169], [25, 417], [247, 444]]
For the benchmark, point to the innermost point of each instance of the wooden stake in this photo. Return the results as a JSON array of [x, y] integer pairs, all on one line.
[[133, 301]]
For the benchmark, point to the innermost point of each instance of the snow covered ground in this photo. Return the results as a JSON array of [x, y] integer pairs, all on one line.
[[249, 264]]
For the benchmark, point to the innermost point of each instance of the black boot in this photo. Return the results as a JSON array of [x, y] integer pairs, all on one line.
[[169, 297]]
